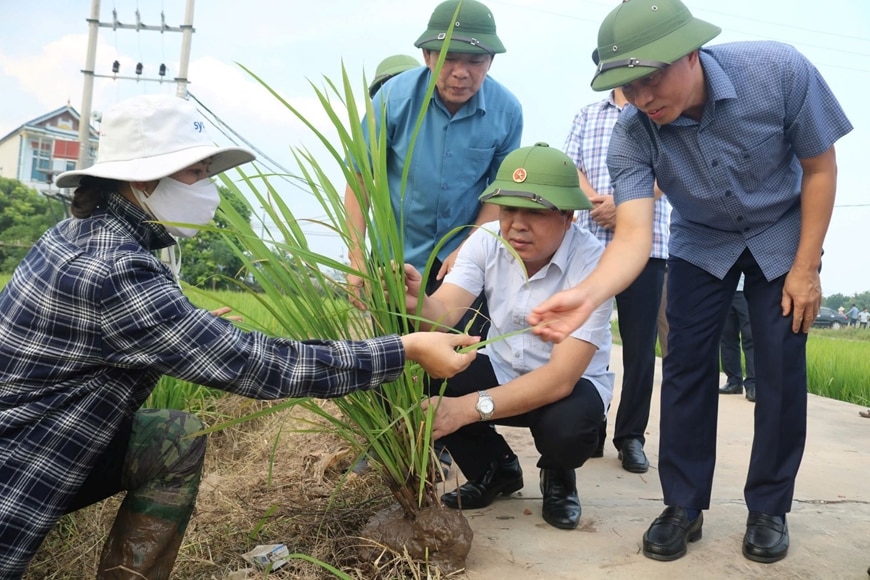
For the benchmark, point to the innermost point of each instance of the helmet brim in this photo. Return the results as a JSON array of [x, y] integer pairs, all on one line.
[[668, 49], [506, 193], [477, 44], [388, 73]]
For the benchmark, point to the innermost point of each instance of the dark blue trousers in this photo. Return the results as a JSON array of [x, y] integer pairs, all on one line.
[[697, 305], [565, 431], [737, 332], [638, 308]]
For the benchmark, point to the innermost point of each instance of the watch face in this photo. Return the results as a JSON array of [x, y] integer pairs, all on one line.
[[486, 406]]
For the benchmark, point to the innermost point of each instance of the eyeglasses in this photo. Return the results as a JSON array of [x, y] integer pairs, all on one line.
[[648, 82], [522, 195]]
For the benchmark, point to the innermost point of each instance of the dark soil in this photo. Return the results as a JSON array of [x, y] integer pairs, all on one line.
[[438, 536]]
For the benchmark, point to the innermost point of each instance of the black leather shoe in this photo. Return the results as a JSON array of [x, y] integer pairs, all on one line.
[[669, 535], [766, 538], [599, 451], [731, 389], [632, 456], [561, 503], [750, 394], [500, 478]]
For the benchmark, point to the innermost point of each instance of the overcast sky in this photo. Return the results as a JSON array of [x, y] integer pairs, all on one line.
[[289, 44]]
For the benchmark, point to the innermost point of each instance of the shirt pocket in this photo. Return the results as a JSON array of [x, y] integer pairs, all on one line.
[[759, 162], [473, 165]]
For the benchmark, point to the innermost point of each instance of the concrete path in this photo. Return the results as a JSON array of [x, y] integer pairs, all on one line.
[[829, 523]]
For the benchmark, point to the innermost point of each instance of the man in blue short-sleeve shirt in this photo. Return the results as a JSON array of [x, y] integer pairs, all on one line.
[[741, 137], [471, 123]]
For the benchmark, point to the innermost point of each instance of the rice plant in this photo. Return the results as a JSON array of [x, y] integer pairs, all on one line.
[[303, 293]]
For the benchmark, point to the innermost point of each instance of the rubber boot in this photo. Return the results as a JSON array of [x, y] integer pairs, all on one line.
[[140, 546]]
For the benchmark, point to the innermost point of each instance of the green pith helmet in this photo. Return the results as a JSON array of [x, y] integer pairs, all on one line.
[[640, 37], [390, 67], [474, 31], [537, 177]]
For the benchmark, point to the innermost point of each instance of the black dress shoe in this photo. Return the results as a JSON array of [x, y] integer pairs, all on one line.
[[766, 538], [599, 451], [731, 389], [669, 535], [500, 478], [632, 456], [750, 394], [561, 503]]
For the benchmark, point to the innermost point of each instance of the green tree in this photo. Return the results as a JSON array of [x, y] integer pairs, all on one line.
[[25, 214], [207, 260], [861, 299], [835, 301]]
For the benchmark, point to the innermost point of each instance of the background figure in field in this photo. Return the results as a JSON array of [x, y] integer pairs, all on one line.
[[852, 315], [638, 305], [736, 332]]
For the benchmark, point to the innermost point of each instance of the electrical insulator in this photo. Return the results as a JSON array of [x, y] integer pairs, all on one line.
[[116, 66], [138, 68]]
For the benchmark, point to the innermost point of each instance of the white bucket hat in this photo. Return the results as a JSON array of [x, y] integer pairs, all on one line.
[[151, 136]]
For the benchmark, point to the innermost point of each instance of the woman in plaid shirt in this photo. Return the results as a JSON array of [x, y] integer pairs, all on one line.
[[92, 319]]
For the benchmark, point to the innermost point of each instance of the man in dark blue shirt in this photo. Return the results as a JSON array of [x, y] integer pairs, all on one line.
[[741, 137]]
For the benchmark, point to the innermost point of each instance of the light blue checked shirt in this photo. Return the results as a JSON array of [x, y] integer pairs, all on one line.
[[454, 158], [587, 146], [734, 178]]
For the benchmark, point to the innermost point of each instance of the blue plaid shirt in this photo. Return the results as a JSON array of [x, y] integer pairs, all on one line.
[[587, 145], [733, 178], [88, 323]]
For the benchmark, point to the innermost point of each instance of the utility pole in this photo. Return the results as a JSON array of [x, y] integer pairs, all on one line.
[[94, 25], [88, 86], [186, 37]]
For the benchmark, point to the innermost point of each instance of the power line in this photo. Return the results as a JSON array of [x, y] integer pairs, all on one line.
[[865, 55], [814, 32], [281, 171], [234, 137]]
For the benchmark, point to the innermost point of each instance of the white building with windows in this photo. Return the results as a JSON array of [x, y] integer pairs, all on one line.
[[40, 149]]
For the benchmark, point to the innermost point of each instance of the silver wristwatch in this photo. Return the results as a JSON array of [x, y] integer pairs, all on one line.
[[485, 405]]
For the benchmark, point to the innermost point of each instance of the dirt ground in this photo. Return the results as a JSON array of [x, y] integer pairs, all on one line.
[[243, 503], [268, 481]]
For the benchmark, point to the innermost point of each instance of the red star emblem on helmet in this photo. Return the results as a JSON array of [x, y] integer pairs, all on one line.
[[520, 175]]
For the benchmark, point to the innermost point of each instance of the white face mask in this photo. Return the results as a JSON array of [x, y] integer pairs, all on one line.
[[174, 201]]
